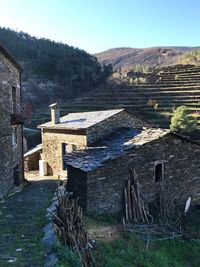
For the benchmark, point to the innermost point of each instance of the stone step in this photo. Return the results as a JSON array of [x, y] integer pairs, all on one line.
[[174, 72], [171, 83], [152, 89]]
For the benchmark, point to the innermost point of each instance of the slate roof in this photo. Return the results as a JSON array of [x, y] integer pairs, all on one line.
[[33, 150], [7, 54], [81, 120], [112, 147]]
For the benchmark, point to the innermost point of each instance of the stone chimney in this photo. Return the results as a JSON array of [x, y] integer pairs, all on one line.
[[55, 113]]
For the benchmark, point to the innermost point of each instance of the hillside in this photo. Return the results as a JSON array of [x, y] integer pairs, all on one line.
[[192, 57], [155, 56], [52, 71], [153, 96]]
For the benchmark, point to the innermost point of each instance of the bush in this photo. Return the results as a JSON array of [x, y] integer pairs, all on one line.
[[182, 121]]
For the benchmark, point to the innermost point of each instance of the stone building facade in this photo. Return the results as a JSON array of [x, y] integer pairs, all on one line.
[[31, 159], [11, 135], [97, 176], [77, 131]]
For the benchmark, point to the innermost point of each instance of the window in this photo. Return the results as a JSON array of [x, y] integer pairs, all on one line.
[[14, 136], [159, 172], [65, 151], [16, 176], [14, 100], [74, 147]]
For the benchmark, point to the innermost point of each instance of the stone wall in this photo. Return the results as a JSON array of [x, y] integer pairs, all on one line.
[[31, 162], [52, 139], [11, 155], [109, 125], [52, 147], [181, 161], [77, 183]]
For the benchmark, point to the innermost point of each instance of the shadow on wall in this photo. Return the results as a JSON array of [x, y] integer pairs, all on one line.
[[49, 170], [32, 136]]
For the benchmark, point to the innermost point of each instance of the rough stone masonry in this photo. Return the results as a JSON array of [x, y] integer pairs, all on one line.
[[11, 162]]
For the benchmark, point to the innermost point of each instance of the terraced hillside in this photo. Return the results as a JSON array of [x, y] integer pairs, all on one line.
[[153, 96]]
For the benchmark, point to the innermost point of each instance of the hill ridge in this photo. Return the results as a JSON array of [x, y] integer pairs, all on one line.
[[126, 57]]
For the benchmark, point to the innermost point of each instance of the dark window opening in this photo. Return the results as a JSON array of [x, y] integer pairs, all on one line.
[[159, 172], [65, 151], [74, 147], [16, 178], [14, 136], [14, 105]]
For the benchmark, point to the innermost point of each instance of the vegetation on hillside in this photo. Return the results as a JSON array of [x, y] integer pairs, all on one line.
[[72, 67], [127, 58], [181, 121], [192, 57], [142, 68]]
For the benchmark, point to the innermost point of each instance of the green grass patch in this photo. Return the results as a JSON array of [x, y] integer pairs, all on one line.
[[67, 258], [129, 250], [126, 249]]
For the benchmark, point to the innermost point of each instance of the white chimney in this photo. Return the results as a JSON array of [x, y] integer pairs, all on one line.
[[55, 113]]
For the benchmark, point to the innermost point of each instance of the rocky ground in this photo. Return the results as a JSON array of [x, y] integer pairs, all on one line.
[[22, 216]]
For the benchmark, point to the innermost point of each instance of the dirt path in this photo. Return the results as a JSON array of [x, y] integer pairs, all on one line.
[[22, 216]]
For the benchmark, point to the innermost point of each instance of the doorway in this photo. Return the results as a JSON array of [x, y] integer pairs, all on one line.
[[16, 177], [65, 151]]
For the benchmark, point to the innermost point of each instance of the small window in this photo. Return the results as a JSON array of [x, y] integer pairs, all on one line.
[[14, 100], [16, 176], [74, 147], [65, 151], [159, 172], [14, 136]]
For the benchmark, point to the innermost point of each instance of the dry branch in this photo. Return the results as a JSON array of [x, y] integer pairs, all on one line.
[[136, 210], [69, 227], [165, 204]]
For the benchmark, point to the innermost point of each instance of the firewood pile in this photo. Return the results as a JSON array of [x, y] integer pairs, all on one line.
[[166, 205], [135, 208], [172, 223], [68, 224]]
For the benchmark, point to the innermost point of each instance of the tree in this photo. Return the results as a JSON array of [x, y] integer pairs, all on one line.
[[182, 121]]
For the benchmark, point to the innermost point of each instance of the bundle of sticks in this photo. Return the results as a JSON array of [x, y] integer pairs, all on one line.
[[165, 204], [136, 210], [69, 227]]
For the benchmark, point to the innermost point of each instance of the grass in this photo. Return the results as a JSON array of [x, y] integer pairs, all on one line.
[[125, 249], [67, 258], [129, 250]]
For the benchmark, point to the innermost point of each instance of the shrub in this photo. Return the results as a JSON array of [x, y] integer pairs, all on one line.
[[182, 121]]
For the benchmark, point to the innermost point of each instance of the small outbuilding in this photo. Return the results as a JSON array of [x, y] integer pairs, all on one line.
[[31, 158], [98, 174]]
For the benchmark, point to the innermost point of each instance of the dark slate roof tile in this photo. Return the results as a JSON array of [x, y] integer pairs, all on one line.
[[114, 146]]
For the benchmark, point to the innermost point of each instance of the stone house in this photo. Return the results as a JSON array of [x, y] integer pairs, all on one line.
[[31, 158], [76, 131], [11, 135], [98, 174]]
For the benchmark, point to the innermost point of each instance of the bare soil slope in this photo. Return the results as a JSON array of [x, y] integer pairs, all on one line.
[[127, 57]]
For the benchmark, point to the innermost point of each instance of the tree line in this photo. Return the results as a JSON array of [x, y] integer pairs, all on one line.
[[69, 65]]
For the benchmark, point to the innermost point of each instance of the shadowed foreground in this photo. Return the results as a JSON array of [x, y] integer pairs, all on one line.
[[22, 216]]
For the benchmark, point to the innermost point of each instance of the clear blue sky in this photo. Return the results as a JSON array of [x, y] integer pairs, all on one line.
[[97, 25]]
